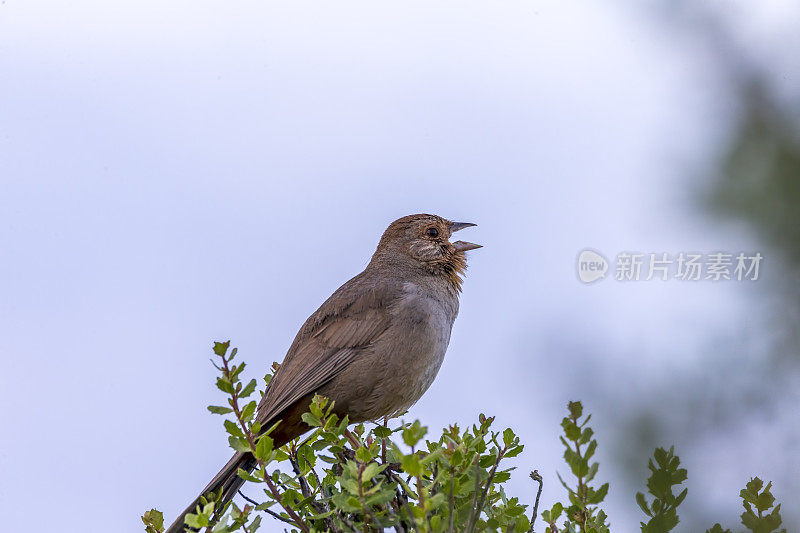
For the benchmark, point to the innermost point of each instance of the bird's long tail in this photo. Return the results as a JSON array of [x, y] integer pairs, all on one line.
[[227, 481]]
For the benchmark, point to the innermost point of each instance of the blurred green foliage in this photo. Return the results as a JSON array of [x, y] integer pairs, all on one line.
[[758, 179]]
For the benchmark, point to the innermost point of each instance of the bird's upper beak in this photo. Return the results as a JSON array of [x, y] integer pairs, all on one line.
[[463, 246]]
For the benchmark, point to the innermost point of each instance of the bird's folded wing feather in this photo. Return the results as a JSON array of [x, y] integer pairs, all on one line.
[[347, 323]]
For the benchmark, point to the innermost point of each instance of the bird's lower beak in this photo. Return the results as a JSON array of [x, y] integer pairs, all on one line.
[[462, 246]]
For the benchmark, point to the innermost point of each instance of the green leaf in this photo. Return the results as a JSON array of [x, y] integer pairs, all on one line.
[[571, 431], [382, 432], [411, 465], [221, 347], [247, 476], [586, 436], [219, 410], [681, 497], [457, 458], [578, 465], [660, 456], [264, 447], [432, 456], [642, 502], [235, 371], [553, 514], [660, 484], [248, 411], [363, 454], [662, 523], [248, 389], [233, 429], [501, 477], [765, 500], [371, 470], [600, 494], [514, 451], [224, 386], [413, 433], [508, 437], [751, 490], [590, 450], [196, 520], [575, 409], [312, 420], [316, 406], [592, 472], [238, 444], [155, 519]]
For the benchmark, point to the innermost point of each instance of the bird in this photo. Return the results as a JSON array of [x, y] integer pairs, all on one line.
[[373, 347]]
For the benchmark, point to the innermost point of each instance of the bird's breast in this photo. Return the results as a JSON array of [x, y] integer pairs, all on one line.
[[395, 370], [420, 333], [426, 317]]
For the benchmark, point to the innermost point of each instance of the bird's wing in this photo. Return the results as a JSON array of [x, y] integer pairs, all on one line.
[[348, 322]]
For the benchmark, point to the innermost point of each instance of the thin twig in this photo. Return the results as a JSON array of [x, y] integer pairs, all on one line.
[[536, 476], [304, 487], [279, 517], [347, 523], [244, 520], [267, 510], [383, 441], [367, 510], [452, 499], [581, 493], [219, 511], [395, 505], [352, 438], [435, 489], [472, 519], [488, 487], [249, 500], [404, 501]]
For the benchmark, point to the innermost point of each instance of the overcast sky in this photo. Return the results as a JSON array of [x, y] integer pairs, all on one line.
[[174, 173]]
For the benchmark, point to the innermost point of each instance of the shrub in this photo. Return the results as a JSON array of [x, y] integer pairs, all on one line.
[[371, 477]]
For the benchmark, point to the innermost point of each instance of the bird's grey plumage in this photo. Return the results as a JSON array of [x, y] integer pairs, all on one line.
[[375, 346]]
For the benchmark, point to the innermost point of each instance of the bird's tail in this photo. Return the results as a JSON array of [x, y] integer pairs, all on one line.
[[226, 481]]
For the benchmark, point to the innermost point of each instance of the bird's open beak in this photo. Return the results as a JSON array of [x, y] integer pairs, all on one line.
[[462, 246]]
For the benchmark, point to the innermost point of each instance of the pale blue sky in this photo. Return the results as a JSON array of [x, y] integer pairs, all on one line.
[[173, 173]]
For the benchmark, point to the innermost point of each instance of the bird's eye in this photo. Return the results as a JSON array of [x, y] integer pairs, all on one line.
[[432, 232]]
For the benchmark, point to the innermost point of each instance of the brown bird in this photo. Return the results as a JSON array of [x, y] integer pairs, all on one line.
[[374, 347]]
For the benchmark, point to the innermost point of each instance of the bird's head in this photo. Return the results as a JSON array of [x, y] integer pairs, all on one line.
[[423, 241]]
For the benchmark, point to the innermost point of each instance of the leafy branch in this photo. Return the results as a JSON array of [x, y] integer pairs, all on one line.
[[374, 477], [582, 514], [359, 479], [663, 509]]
